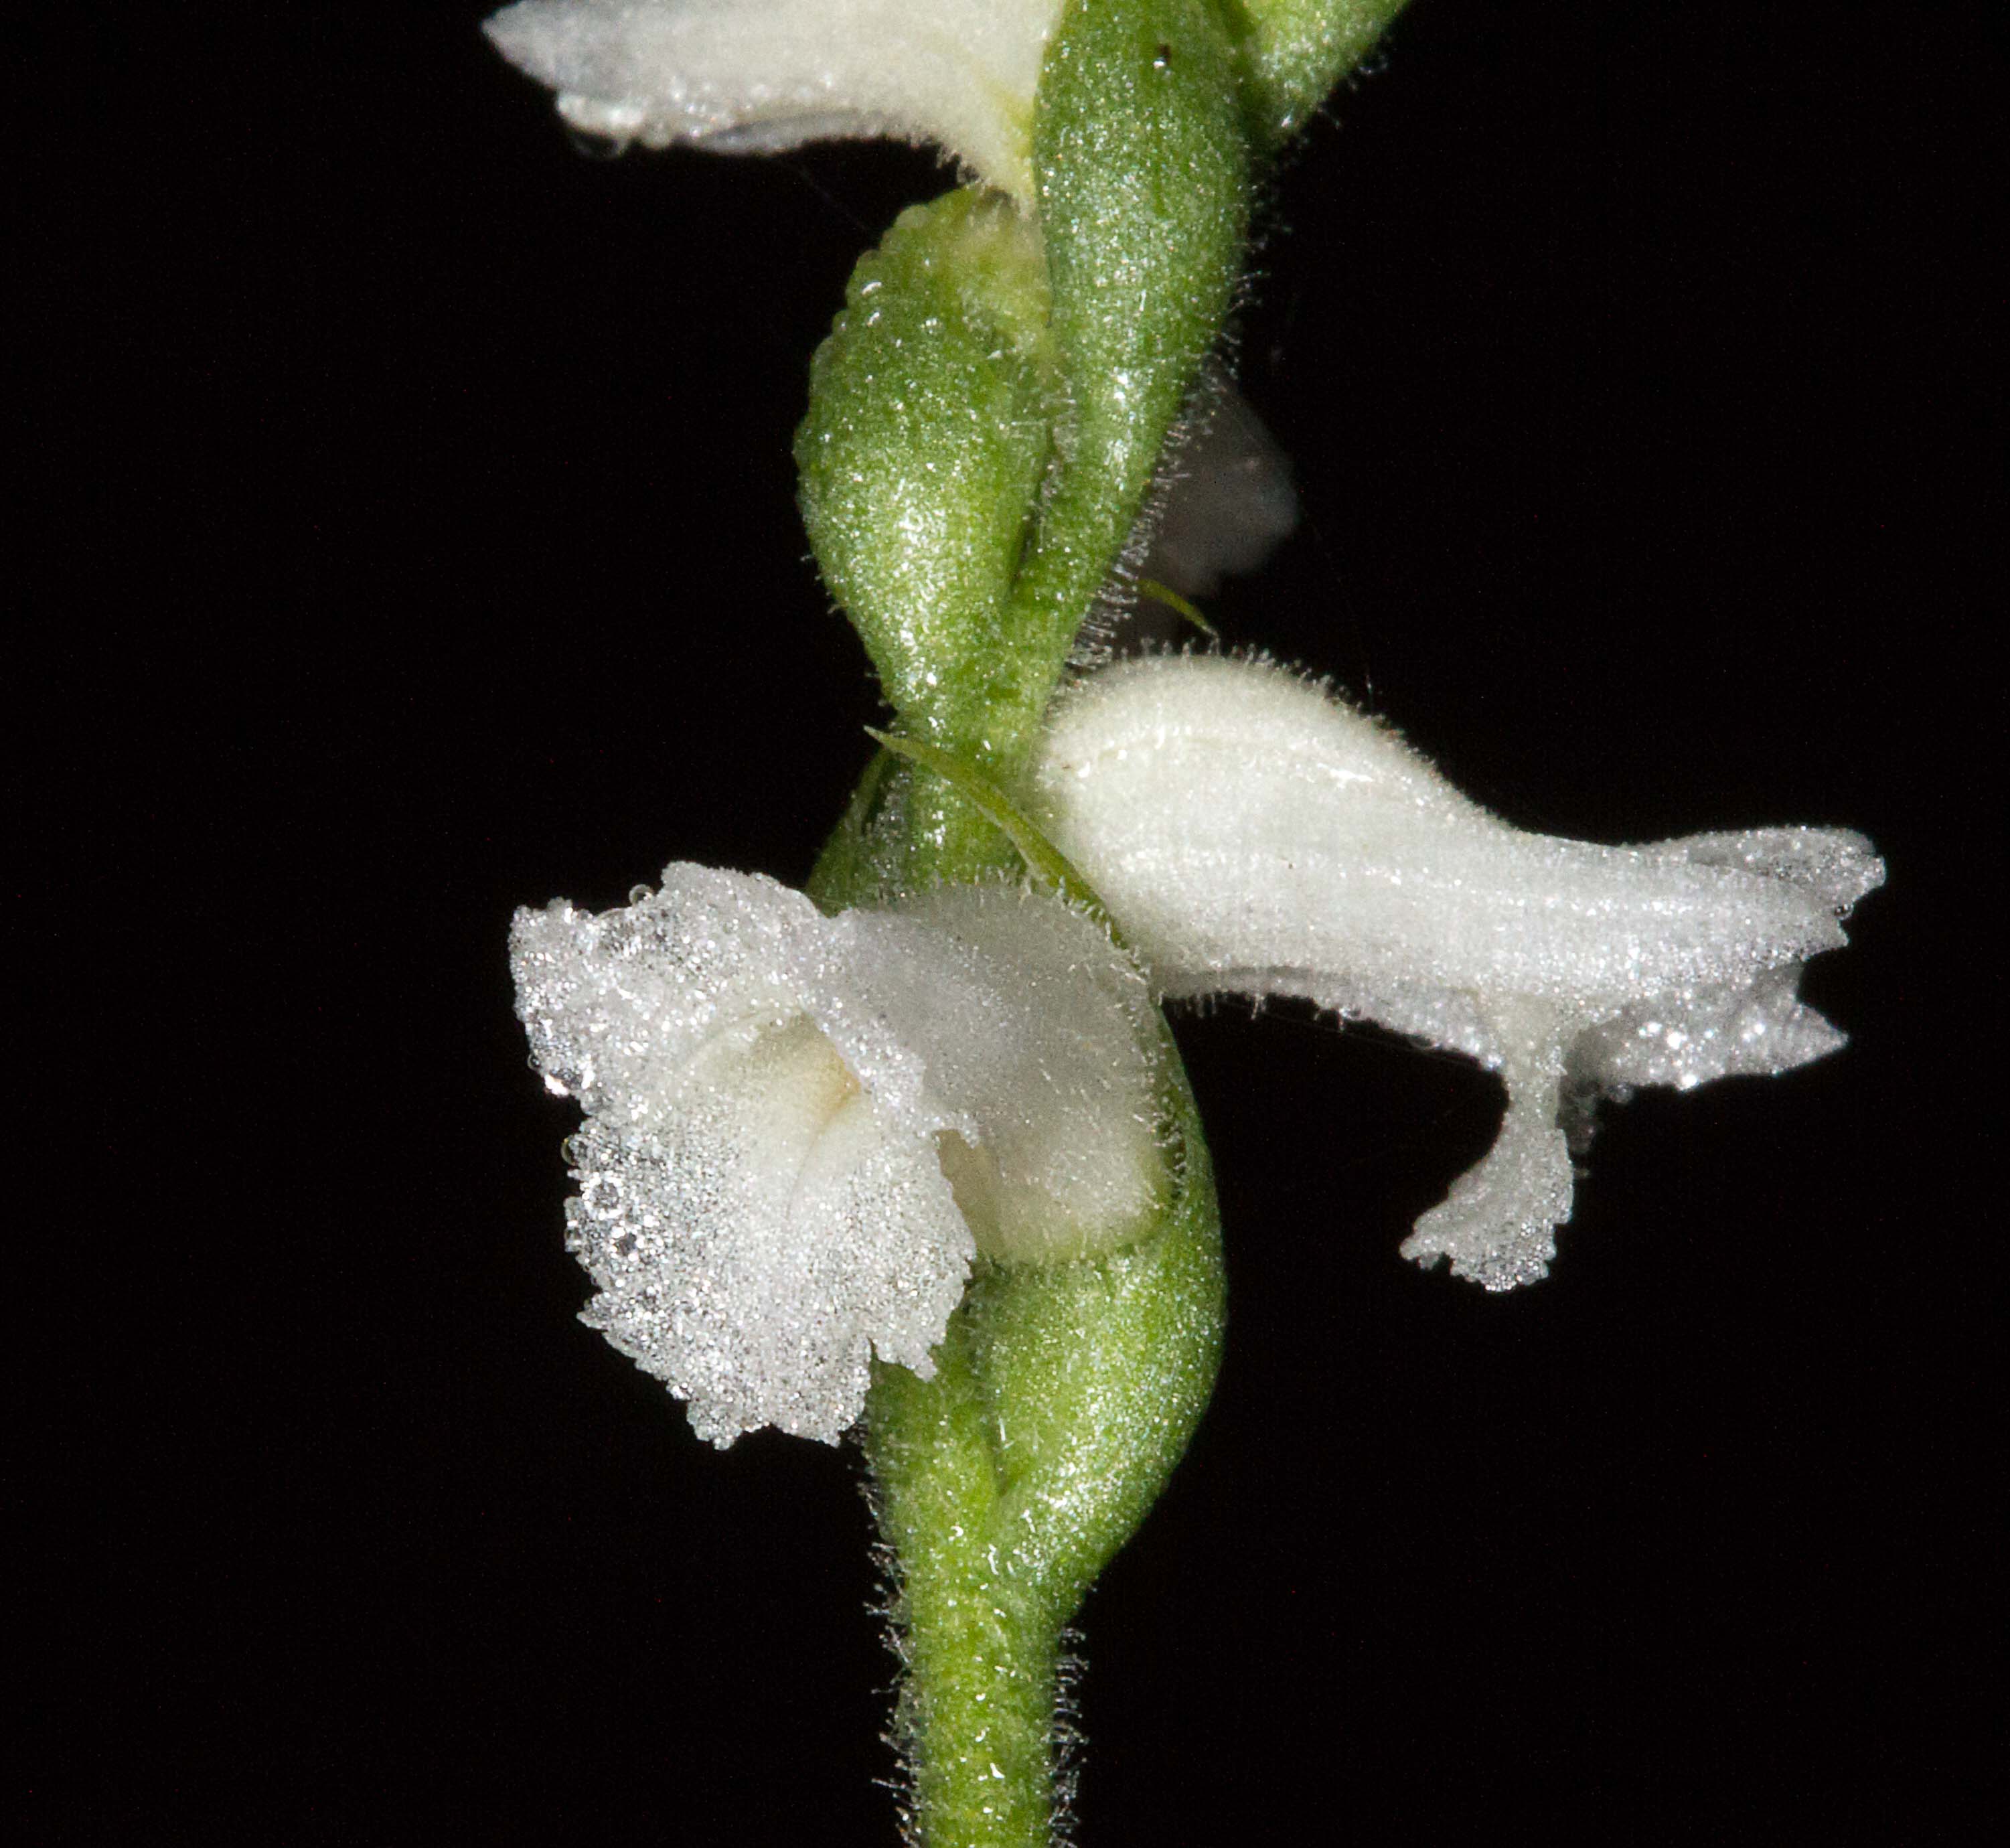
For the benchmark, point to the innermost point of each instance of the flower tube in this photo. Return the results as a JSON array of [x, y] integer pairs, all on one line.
[[1252, 835], [801, 1131], [751, 77]]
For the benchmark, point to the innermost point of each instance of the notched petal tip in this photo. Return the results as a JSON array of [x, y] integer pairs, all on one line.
[[1687, 1037]]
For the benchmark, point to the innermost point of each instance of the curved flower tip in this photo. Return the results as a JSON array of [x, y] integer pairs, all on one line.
[[1253, 835], [800, 1131], [754, 75]]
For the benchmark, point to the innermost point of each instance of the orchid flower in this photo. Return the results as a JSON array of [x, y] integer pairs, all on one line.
[[802, 1131], [1252, 835], [756, 76]]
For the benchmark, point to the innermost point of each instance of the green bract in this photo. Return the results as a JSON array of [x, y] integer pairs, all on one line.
[[987, 413], [1295, 51], [984, 422], [1141, 172], [931, 406]]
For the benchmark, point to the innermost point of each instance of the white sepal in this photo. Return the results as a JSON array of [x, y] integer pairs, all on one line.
[[1252, 835], [754, 76]]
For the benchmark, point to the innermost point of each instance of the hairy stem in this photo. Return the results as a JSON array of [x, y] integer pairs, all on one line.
[[1063, 1398]]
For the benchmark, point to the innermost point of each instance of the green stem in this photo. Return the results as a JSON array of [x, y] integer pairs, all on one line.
[[1063, 1398], [984, 422], [977, 1703]]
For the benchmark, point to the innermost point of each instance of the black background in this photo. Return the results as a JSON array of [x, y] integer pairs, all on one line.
[[428, 548]]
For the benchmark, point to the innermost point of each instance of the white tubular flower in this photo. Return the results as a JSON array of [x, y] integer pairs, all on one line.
[[801, 1130], [1252, 836], [749, 76]]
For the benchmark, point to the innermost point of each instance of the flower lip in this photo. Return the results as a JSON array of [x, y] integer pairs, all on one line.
[[1252, 835], [800, 1132], [757, 76]]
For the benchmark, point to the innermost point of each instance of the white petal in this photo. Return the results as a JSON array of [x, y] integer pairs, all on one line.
[[1498, 1223], [774, 1231], [752, 75], [1684, 1037], [615, 1003], [1252, 835], [1037, 1034], [1227, 502], [760, 1216]]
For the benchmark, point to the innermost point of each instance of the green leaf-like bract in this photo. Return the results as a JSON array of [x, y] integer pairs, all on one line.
[[1295, 51], [931, 406], [1142, 172], [1045, 863], [986, 415]]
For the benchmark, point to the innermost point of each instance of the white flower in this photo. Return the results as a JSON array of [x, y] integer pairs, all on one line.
[[753, 76], [801, 1130], [1251, 835]]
